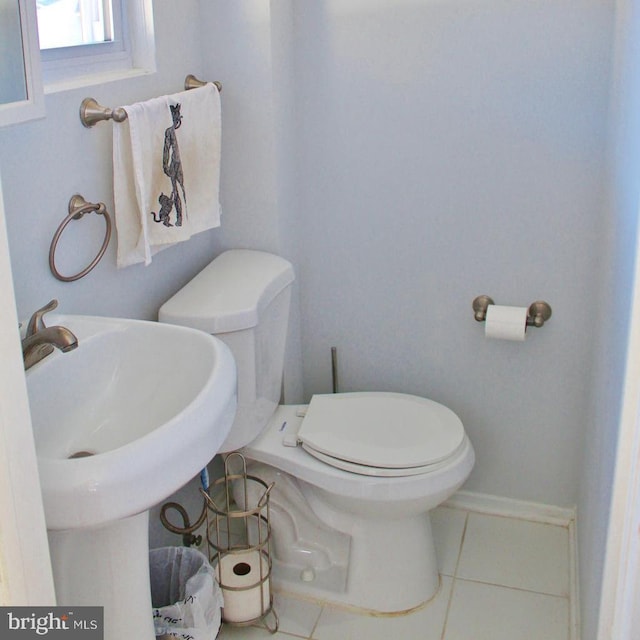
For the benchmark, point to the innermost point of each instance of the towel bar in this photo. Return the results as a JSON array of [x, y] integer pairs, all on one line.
[[91, 112]]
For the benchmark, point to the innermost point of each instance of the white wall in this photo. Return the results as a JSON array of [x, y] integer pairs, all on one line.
[[25, 569]]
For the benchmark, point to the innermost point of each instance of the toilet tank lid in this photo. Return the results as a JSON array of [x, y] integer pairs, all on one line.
[[230, 293]]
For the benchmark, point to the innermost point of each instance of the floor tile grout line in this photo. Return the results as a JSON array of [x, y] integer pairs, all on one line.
[[263, 627], [462, 539], [315, 626], [453, 581], [446, 615], [574, 601], [506, 586], [520, 518]]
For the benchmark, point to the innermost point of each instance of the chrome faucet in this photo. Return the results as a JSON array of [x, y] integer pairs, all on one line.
[[40, 340]]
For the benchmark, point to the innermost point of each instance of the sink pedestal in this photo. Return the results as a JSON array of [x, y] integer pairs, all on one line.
[[107, 566]]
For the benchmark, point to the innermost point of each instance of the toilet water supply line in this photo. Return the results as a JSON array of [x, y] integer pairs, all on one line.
[[334, 369], [204, 479], [187, 529]]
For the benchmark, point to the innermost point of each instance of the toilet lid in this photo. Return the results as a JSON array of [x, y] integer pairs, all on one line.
[[385, 433]]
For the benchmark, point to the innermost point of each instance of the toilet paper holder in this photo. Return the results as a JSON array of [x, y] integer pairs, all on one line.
[[537, 314]]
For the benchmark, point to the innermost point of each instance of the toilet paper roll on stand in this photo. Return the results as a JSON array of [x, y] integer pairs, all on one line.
[[244, 579], [506, 323]]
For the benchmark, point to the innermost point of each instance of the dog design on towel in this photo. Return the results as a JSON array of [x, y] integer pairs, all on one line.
[[172, 167]]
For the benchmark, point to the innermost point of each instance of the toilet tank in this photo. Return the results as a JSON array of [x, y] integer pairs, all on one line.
[[242, 297]]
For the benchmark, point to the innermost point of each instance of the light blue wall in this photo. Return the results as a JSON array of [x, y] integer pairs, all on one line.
[[43, 163], [447, 150], [618, 245], [407, 156], [248, 45]]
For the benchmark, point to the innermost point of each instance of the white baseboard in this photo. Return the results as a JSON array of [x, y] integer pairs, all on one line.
[[508, 507]]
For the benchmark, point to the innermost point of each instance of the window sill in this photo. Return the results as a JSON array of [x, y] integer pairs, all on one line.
[[94, 79]]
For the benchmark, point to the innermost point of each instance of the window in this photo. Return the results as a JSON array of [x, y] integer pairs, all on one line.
[[85, 42], [71, 23]]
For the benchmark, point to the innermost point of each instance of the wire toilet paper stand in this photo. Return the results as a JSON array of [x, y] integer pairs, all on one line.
[[239, 544]]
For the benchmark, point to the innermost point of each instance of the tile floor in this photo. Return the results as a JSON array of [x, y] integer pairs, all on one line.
[[502, 579]]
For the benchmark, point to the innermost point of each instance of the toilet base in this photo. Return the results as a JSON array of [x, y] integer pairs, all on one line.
[[333, 551], [392, 565]]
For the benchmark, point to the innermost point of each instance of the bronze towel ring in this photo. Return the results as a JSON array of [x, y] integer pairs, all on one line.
[[78, 206]]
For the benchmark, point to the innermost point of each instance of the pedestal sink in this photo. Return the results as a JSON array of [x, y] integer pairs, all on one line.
[[121, 423]]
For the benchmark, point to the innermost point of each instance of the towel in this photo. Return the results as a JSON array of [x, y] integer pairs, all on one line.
[[166, 172]]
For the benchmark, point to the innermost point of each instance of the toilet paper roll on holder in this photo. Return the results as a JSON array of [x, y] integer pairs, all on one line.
[[537, 314]]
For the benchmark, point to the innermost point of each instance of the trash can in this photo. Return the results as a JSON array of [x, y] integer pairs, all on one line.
[[186, 598]]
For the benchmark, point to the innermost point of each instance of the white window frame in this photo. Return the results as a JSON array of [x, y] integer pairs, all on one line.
[[131, 54], [32, 107]]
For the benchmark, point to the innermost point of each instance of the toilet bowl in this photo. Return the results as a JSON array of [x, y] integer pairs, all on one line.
[[355, 474]]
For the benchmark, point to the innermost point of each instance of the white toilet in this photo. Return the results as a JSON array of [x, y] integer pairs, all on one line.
[[356, 473]]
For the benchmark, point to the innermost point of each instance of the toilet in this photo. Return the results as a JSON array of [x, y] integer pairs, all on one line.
[[355, 474]]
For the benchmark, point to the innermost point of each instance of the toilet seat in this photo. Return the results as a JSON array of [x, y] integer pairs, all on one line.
[[380, 472], [380, 434]]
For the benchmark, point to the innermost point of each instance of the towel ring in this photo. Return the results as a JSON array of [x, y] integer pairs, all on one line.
[[78, 206]]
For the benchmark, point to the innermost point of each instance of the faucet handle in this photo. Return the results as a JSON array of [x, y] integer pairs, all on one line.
[[36, 323]]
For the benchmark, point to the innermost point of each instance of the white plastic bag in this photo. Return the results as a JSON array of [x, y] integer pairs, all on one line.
[[186, 598]]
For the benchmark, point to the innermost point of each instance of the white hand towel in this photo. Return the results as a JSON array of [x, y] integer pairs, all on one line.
[[166, 164]]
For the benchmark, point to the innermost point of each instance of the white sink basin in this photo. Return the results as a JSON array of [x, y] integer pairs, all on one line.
[[148, 404]]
